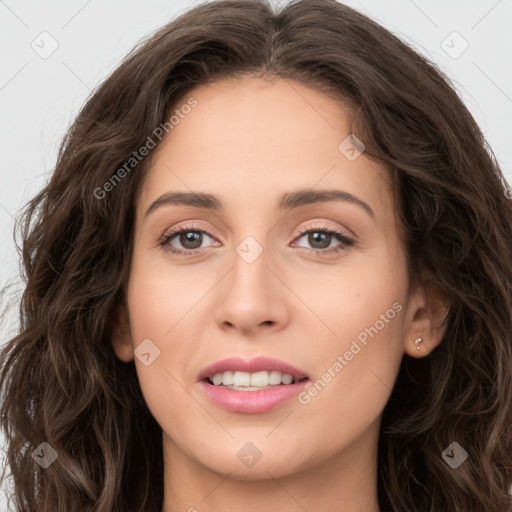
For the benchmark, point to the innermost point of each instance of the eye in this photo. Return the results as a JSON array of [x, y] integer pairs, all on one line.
[[189, 237], [320, 238]]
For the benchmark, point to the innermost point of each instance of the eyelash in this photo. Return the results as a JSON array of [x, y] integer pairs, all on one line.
[[164, 242]]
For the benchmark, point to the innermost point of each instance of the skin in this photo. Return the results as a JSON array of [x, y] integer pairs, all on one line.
[[248, 141]]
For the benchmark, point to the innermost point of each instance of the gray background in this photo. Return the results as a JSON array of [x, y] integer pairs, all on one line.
[[39, 97]]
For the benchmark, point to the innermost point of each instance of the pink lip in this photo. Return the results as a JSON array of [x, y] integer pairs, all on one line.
[[257, 364], [251, 401]]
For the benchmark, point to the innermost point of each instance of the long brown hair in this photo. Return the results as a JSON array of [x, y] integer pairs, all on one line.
[[61, 382]]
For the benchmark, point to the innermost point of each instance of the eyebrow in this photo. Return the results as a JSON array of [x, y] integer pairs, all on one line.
[[288, 201]]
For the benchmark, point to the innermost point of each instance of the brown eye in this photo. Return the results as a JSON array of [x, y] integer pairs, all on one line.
[[320, 240], [186, 240], [190, 239]]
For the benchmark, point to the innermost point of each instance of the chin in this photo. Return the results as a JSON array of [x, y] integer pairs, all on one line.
[[274, 462]]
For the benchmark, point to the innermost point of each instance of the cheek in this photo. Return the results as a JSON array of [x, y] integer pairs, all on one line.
[[344, 300], [159, 302], [357, 358], [162, 295]]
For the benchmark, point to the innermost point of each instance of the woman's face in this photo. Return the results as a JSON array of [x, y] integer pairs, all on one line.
[[333, 305]]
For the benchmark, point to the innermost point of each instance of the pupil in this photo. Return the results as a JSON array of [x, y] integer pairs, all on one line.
[[193, 237], [323, 237]]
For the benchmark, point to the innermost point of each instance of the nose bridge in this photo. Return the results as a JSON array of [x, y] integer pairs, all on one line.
[[251, 295], [250, 267], [252, 248]]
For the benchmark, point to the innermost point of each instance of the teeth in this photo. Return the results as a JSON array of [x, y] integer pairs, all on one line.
[[227, 378], [274, 378], [286, 378], [258, 379], [241, 379], [262, 379]]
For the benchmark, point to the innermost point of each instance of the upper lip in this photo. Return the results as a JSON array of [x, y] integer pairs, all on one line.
[[254, 365]]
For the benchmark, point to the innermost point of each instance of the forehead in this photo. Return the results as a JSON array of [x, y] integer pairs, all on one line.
[[249, 136]]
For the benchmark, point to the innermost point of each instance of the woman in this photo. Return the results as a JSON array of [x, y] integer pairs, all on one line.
[[271, 271]]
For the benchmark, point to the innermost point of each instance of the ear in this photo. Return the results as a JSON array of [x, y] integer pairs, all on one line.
[[121, 335], [428, 312]]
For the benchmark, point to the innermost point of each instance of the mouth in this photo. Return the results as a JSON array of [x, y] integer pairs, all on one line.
[[256, 386], [256, 381], [251, 374]]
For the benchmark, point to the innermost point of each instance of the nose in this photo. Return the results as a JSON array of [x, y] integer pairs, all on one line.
[[252, 298]]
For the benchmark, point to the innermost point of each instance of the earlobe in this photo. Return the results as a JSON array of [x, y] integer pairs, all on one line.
[[121, 335], [428, 324]]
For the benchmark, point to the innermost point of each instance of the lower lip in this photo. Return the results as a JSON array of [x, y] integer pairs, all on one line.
[[252, 401]]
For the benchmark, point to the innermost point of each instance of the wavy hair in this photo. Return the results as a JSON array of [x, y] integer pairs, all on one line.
[[60, 380]]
